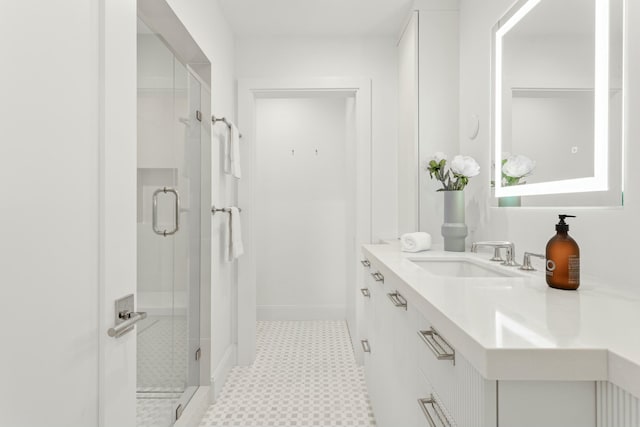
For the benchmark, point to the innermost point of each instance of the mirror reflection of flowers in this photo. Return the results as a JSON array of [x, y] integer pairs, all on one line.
[[457, 176], [515, 167]]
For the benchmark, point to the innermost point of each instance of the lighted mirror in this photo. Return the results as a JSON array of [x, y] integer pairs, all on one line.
[[558, 103]]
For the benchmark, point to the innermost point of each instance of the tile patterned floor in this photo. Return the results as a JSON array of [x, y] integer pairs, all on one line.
[[152, 412], [305, 375], [161, 369], [162, 353]]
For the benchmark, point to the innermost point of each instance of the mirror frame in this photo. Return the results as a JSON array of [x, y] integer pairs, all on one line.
[[600, 180]]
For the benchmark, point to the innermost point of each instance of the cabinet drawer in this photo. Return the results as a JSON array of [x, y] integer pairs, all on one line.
[[427, 408], [466, 395], [365, 303]]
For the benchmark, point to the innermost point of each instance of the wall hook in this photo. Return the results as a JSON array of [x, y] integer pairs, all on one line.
[[316, 151], [293, 152]]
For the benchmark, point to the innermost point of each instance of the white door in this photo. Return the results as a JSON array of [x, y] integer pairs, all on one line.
[[67, 240]]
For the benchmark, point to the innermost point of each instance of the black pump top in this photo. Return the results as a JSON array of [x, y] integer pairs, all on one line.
[[563, 226]]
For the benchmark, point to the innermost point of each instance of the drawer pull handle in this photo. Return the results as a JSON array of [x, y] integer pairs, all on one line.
[[365, 292], [365, 346], [366, 263], [430, 404], [438, 346], [397, 300], [378, 277]]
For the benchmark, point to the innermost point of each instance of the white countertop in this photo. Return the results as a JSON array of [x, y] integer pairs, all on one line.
[[518, 328]]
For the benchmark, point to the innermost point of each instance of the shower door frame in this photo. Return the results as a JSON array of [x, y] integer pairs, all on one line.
[[178, 276], [159, 16], [116, 64]]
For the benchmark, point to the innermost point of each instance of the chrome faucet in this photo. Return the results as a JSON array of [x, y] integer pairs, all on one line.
[[526, 262], [497, 244]]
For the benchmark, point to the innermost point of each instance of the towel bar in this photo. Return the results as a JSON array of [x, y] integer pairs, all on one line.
[[214, 210], [224, 120]]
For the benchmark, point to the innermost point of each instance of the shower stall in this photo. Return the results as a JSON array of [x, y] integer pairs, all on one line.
[[172, 171]]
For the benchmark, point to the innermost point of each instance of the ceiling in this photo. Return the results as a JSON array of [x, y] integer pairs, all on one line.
[[315, 17]]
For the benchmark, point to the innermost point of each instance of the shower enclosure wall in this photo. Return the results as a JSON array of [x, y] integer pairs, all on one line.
[[172, 131]]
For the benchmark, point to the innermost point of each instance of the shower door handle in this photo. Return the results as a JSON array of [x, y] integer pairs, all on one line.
[[154, 220]]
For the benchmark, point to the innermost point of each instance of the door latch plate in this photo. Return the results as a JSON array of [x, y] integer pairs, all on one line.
[[123, 307]]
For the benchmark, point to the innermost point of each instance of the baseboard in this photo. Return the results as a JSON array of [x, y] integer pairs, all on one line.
[[221, 373], [302, 312], [197, 407]]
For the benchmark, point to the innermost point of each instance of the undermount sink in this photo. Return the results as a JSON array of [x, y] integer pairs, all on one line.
[[460, 268]]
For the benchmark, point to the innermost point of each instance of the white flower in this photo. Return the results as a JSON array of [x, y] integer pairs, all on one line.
[[518, 166], [439, 156], [465, 166]]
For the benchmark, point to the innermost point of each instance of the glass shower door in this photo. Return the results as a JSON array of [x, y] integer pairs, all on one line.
[[168, 232]]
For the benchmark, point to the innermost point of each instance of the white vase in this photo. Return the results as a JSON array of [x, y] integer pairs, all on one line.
[[454, 230]]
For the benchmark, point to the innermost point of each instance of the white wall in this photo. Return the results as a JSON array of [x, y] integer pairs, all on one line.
[[49, 238], [439, 84], [301, 208], [607, 237], [375, 58], [207, 25]]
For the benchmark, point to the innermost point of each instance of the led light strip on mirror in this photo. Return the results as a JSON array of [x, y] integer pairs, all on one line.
[[600, 180]]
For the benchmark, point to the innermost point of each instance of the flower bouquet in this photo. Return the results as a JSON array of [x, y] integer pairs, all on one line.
[[453, 180], [457, 176]]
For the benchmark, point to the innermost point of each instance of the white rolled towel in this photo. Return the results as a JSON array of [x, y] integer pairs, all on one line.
[[415, 242]]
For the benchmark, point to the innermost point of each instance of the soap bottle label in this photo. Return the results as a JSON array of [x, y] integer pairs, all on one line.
[[574, 270]]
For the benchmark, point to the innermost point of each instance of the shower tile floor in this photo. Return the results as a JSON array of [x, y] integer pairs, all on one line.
[[304, 375], [152, 412], [161, 369], [162, 354]]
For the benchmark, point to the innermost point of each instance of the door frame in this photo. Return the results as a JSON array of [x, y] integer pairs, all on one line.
[[117, 206], [248, 91]]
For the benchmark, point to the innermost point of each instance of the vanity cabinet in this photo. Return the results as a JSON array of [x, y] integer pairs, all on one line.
[[417, 377], [407, 382], [388, 338], [468, 398]]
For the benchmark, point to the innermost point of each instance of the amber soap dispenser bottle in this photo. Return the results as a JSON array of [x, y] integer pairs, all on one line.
[[563, 258]]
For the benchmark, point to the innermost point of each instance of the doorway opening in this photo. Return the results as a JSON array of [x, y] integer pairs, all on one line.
[[306, 199], [305, 206]]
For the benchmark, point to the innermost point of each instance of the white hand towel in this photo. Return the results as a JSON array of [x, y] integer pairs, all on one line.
[[415, 242], [232, 152], [227, 153], [234, 247]]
